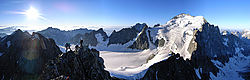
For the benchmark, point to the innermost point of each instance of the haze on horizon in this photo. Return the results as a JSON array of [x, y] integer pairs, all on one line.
[[227, 14]]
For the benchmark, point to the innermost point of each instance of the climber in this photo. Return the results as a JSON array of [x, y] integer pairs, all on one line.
[[83, 46], [81, 41], [67, 46], [76, 48]]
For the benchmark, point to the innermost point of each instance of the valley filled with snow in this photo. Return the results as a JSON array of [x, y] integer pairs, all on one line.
[[131, 64]]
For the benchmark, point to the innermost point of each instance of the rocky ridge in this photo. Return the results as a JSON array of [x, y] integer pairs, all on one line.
[[23, 55], [84, 65], [126, 34]]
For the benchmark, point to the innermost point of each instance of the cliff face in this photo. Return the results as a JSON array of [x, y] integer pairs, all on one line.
[[174, 68], [125, 35], [89, 38], [83, 65], [23, 55], [141, 41]]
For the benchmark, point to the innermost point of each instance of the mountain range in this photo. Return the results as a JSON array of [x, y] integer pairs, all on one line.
[[186, 47]]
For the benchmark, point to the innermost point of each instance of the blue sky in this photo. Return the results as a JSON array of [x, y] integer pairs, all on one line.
[[227, 14]]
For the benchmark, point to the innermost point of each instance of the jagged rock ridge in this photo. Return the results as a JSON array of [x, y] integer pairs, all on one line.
[[174, 68], [89, 38], [83, 65], [125, 35], [24, 55], [141, 41]]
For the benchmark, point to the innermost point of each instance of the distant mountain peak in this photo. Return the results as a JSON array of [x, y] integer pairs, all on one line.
[[51, 28], [101, 29], [181, 15]]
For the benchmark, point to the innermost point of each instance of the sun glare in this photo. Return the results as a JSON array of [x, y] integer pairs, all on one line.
[[32, 13]]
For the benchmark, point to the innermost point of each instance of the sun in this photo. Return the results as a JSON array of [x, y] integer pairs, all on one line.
[[32, 13]]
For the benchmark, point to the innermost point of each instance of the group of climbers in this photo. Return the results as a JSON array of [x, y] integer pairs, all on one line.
[[67, 46]]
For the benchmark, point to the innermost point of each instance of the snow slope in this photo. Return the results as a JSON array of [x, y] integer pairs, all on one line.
[[129, 65], [177, 33], [102, 45]]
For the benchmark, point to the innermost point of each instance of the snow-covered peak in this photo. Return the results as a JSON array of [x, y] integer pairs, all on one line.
[[225, 33], [183, 20], [178, 34], [246, 33], [139, 26], [181, 15]]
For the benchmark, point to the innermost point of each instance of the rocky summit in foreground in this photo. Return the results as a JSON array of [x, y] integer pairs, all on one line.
[[24, 56], [82, 65]]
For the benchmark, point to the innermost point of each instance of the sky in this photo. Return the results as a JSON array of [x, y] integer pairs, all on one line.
[[227, 14]]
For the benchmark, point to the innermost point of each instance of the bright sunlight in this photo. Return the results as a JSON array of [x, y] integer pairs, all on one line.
[[32, 13]]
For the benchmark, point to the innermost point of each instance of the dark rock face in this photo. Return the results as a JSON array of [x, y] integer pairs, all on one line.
[[156, 25], [125, 35], [246, 47], [174, 68], [246, 73], [104, 34], [83, 65], [211, 45], [210, 41], [24, 55], [181, 15], [141, 41], [204, 62], [89, 38], [159, 42], [233, 42]]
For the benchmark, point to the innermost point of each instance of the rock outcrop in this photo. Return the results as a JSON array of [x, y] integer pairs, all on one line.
[[159, 42], [125, 35], [23, 55], [211, 45], [89, 38], [173, 68], [83, 65], [141, 41]]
